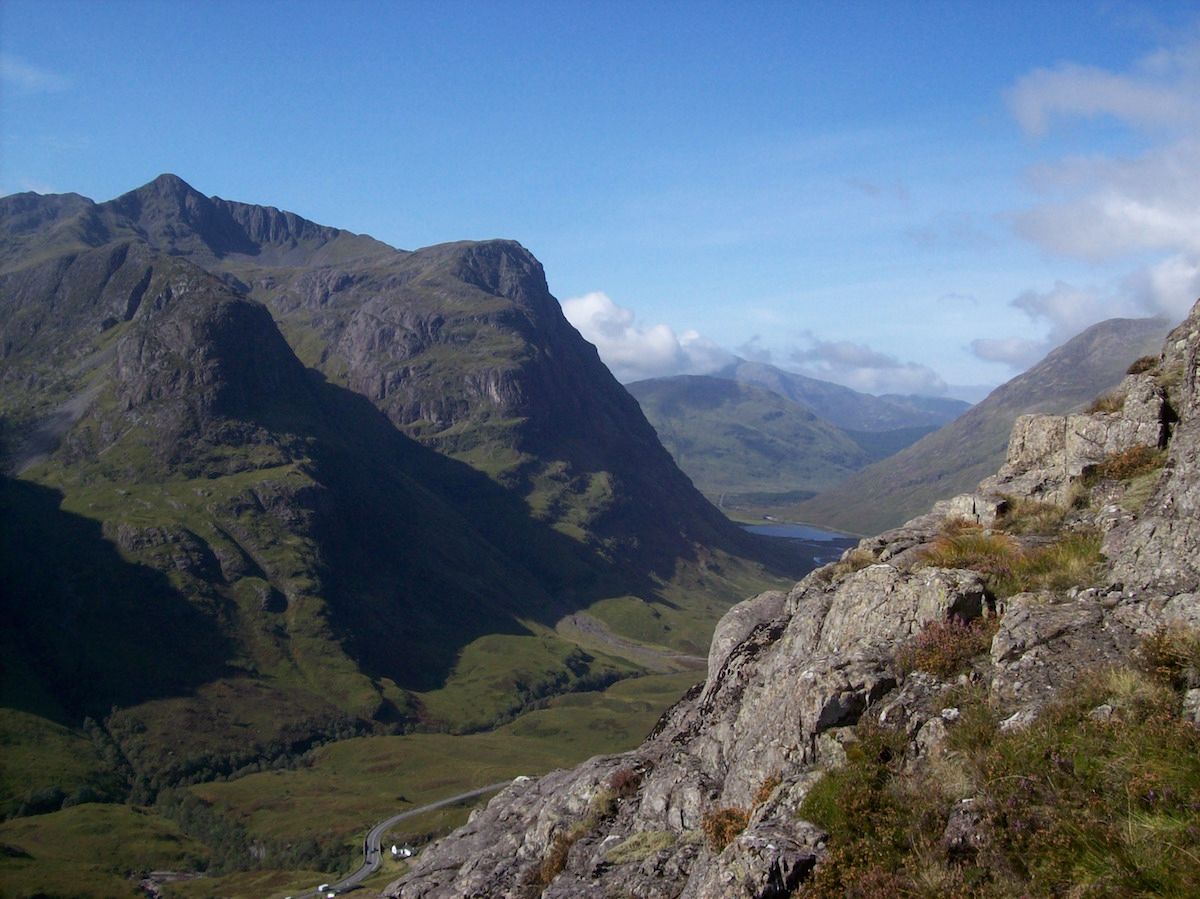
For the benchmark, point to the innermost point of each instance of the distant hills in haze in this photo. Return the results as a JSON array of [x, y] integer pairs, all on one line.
[[757, 439]]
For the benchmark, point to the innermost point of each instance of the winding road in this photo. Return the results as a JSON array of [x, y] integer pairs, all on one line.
[[373, 851]]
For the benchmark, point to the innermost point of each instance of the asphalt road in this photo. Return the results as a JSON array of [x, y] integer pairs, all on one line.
[[373, 851]]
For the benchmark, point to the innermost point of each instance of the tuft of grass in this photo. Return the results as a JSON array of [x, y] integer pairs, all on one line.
[[994, 555], [1125, 465], [1171, 655], [1107, 403], [722, 825], [601, 806], [765, 789], [640, 846], [1142, 365], [853, 560], [1027, 516], [953, 527], [943, 648], [624, 782], [1074, 560]]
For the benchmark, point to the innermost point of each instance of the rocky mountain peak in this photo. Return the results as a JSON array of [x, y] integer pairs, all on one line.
[[174, 216]]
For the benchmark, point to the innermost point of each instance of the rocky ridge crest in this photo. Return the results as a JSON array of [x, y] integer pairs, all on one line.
[[790, 674]]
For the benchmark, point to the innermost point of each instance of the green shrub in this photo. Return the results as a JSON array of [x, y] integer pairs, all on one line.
[[1075, 804], [873, 824], [943, 648], [1079, 804]]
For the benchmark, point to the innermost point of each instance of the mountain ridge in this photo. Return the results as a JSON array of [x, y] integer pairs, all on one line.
[[894, 489], [362, 470]]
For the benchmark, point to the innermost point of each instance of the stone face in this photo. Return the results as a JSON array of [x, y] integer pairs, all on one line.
[[789, 675], [736, 624], [1160, 547], [1047, 451]]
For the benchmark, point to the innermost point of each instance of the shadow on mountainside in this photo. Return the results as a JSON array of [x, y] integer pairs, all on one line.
[[96, 630], [422, 554]]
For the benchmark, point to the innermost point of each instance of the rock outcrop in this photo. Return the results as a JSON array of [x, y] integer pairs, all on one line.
[[708, 805]]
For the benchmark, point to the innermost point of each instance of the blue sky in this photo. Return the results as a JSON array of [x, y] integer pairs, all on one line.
[[898, 196]]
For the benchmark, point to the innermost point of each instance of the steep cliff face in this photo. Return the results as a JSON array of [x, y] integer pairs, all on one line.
[[711, 804], [461, 345]]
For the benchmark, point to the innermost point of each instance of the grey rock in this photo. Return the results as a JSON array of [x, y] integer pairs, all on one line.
[[965, 832], [739, 621], [1191, 706], [765, 862]]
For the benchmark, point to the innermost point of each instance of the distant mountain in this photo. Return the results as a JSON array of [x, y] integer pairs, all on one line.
[[843, 406], [742, 444], [956, 457], [757, 439], [274, 479]]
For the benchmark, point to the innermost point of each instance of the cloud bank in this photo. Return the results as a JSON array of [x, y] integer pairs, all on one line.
[[1142, 210], [865, 369], [21, 77], [633, 351]]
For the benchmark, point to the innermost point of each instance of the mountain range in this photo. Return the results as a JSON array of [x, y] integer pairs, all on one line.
[[286, 483], [757, 439]]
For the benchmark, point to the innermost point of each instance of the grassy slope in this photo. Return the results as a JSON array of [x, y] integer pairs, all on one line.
[[335, 797], [90, 850], [955, 458]]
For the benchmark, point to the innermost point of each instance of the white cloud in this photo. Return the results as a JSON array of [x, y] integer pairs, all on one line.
[[633, 351], [754, 350], [1141, 210], [21, 77], [1104, 209], [1073, 91], [865, 369], [1017, 352]]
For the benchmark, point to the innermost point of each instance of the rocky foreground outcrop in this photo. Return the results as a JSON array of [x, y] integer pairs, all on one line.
[[789, 675]]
